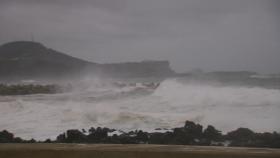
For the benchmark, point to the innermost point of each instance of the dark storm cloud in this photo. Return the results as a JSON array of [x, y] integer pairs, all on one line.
[[207, 34]]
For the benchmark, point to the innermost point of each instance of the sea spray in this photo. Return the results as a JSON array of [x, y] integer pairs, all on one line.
[[101, 103], [227, 107]]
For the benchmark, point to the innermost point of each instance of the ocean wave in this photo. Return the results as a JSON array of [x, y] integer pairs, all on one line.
[[130, 107]]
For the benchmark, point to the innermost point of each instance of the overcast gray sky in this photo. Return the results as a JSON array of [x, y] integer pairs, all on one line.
[[206, 34]]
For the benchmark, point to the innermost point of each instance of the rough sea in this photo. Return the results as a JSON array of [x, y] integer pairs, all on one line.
[[95, 102]]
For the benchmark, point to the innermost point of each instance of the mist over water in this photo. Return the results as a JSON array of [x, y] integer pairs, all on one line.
[[98, 102]]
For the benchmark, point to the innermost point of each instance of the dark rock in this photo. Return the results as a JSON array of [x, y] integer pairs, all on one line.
[[193, 129], [241, 137], [98, 135], [211, 133], [75, 136], [6, 137], [61, 138], [47, 141], [142, 137], [241, 134], [190, 134]]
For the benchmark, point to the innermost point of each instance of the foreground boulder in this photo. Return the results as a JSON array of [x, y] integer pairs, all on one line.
[[190, 134]]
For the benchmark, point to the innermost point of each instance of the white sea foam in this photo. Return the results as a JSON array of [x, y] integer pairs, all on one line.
[[98, 103]]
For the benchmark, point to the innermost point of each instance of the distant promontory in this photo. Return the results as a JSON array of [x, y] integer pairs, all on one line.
[[26, 59]]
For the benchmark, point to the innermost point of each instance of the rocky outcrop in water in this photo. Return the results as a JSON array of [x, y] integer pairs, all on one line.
[[22, 89]]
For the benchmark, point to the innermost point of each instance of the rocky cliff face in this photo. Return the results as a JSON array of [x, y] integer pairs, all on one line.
[[25, 59]]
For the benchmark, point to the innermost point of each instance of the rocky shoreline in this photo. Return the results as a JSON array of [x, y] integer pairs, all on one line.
[[190, 134], [27, 89]]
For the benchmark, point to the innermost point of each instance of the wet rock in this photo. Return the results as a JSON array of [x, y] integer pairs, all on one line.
[[190, 134], [6, 137], [212, 134]]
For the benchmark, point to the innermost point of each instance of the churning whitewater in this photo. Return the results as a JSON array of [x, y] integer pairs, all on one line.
[[99, 103]]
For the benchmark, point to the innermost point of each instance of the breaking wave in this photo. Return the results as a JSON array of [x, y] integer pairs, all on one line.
[[129, 107]]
